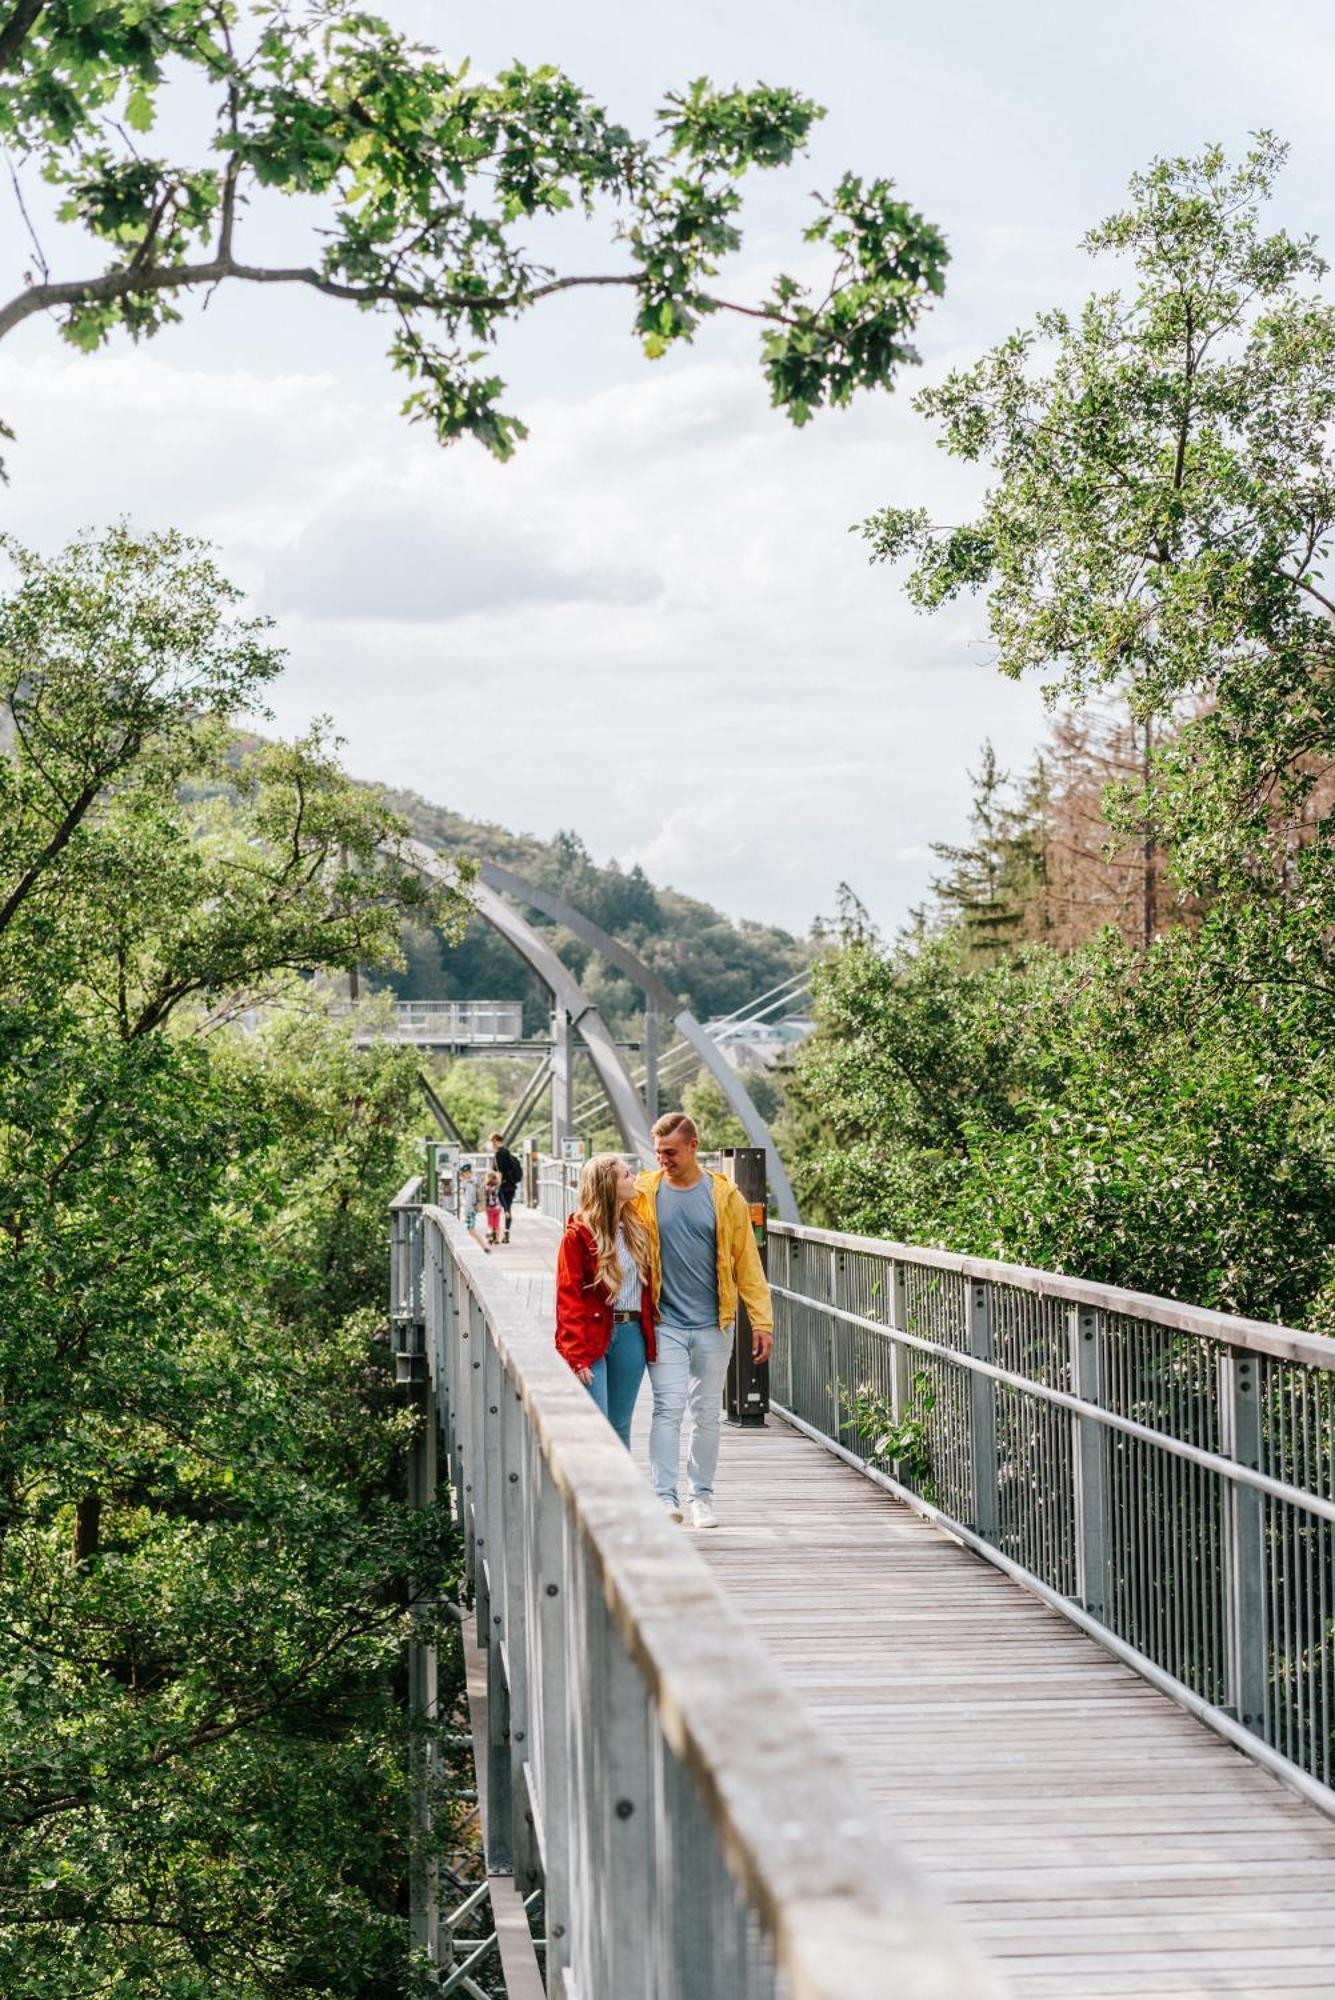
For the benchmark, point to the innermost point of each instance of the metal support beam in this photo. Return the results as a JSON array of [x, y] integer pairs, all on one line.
[[563, 1085], [527, 1098], [439, 1112], [666, 1007], [650, 1052]]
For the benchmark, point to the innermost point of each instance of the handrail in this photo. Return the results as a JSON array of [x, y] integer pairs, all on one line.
[[1260, 1336], [1164, 1473], [692, 1831]]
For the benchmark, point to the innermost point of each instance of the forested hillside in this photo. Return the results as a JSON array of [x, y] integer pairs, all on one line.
[[714, 964]]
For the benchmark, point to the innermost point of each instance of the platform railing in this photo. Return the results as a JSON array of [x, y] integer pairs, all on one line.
[[1163, 1474], [692, 1832]]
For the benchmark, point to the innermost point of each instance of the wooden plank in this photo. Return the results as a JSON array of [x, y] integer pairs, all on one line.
[[1092, 1836]]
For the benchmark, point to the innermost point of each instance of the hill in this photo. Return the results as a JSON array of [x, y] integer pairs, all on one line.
[[714, 964]]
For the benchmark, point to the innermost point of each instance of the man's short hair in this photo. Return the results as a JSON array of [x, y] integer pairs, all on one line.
[[675, 1125], [497, 1139]]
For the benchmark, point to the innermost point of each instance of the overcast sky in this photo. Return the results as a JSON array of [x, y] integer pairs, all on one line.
[[653, 626]]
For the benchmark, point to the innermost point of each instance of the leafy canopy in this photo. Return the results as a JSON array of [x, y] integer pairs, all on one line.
[[206, 1565], [1163, 503], [428, 179]]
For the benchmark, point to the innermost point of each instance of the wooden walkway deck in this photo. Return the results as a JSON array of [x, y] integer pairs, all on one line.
[[1096, 1839]]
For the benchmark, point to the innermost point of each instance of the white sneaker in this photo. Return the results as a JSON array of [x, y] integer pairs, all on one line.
[[674, 1512], [703, 1515]]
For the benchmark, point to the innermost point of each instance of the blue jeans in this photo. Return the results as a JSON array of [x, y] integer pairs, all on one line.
[[689, 1374], [617, 1377]]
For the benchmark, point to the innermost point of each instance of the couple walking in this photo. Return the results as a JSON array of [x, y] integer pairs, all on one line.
[[648, 1275]]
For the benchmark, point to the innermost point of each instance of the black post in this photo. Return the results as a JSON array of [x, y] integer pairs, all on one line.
[[748, 1380]]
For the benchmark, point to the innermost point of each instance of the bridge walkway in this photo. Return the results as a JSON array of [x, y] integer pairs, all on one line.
[[1094, 1838]]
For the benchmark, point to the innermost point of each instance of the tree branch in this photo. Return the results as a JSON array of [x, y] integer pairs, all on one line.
[[129, 281], [17, 29]]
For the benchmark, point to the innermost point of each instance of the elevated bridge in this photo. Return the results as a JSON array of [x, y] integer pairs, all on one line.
[[1043, 1706]]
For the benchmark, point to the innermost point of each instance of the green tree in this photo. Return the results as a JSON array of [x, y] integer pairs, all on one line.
[[1162, 513], [429, 181], [987, 880], [205, 1561], [1114, 1112]]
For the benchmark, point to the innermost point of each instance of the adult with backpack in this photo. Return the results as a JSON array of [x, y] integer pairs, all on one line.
[[511, 1173]]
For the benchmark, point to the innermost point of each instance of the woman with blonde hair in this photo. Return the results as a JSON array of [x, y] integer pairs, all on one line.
[[604, 1300]]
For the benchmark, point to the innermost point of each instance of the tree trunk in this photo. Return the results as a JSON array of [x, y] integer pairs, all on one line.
[[1151, 914], [87, 1526]]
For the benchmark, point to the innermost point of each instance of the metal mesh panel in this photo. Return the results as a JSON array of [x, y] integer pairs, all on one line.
[[937, 1308], [1031, 1337], [1228, 1589], [1166, 1517], [1298, 1445]]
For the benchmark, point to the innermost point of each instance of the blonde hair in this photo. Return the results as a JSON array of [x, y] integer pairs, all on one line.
[[674, 1125], [597, 1210]]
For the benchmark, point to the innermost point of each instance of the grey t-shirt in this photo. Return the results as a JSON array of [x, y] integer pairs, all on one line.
[[688, 1240]]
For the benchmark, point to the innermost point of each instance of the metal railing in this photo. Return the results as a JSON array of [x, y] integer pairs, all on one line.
[[691, 1831], [558, 1186], [1163, 1474], [558, 1182], [449, 1022]]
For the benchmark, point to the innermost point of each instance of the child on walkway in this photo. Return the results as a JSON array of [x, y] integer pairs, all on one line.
[[468, 1192], [492, 1193]]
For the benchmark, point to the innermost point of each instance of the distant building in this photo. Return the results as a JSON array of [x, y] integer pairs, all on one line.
[[759, 1045]]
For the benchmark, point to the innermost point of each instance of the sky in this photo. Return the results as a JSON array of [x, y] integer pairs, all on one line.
[[654, 625]]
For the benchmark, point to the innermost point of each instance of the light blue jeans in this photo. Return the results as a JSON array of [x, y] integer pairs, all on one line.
[[617, 1377], [689, 1374]]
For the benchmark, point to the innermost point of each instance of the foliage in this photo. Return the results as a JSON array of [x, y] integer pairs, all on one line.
[[718, 1126], [1129, 1116], [1150, 1106], [428, 182], [471, 1093], [899, 1442], [1163, 509], [205, 1562]]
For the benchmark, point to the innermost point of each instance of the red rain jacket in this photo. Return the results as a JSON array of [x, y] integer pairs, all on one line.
[[583, 1306]]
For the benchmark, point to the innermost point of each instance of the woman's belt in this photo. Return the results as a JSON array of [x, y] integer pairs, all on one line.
[[635, 1317]]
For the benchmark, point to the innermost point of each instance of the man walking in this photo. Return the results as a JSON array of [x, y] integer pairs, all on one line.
[[511, 1173], [702, 1256]]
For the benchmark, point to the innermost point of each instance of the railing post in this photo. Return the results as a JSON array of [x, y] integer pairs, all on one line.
[[613, 1866], [901, 1365], [983, 1413], [833, 1324], [422, 1703], [1089, 1463], [517, 1585], [497, 1836], [1244, 1516], [548, 1698]]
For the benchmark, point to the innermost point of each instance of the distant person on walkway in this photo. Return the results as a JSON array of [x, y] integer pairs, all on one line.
[[491, 1196], [703, 1255], [468, 1194], [511, 1173], [604, 1300]]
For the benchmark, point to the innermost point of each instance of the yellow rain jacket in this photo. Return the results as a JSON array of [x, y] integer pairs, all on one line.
[[739, 1266]]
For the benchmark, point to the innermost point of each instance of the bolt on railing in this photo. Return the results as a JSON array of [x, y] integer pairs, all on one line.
[[1163, 1474], [691, 1831]]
